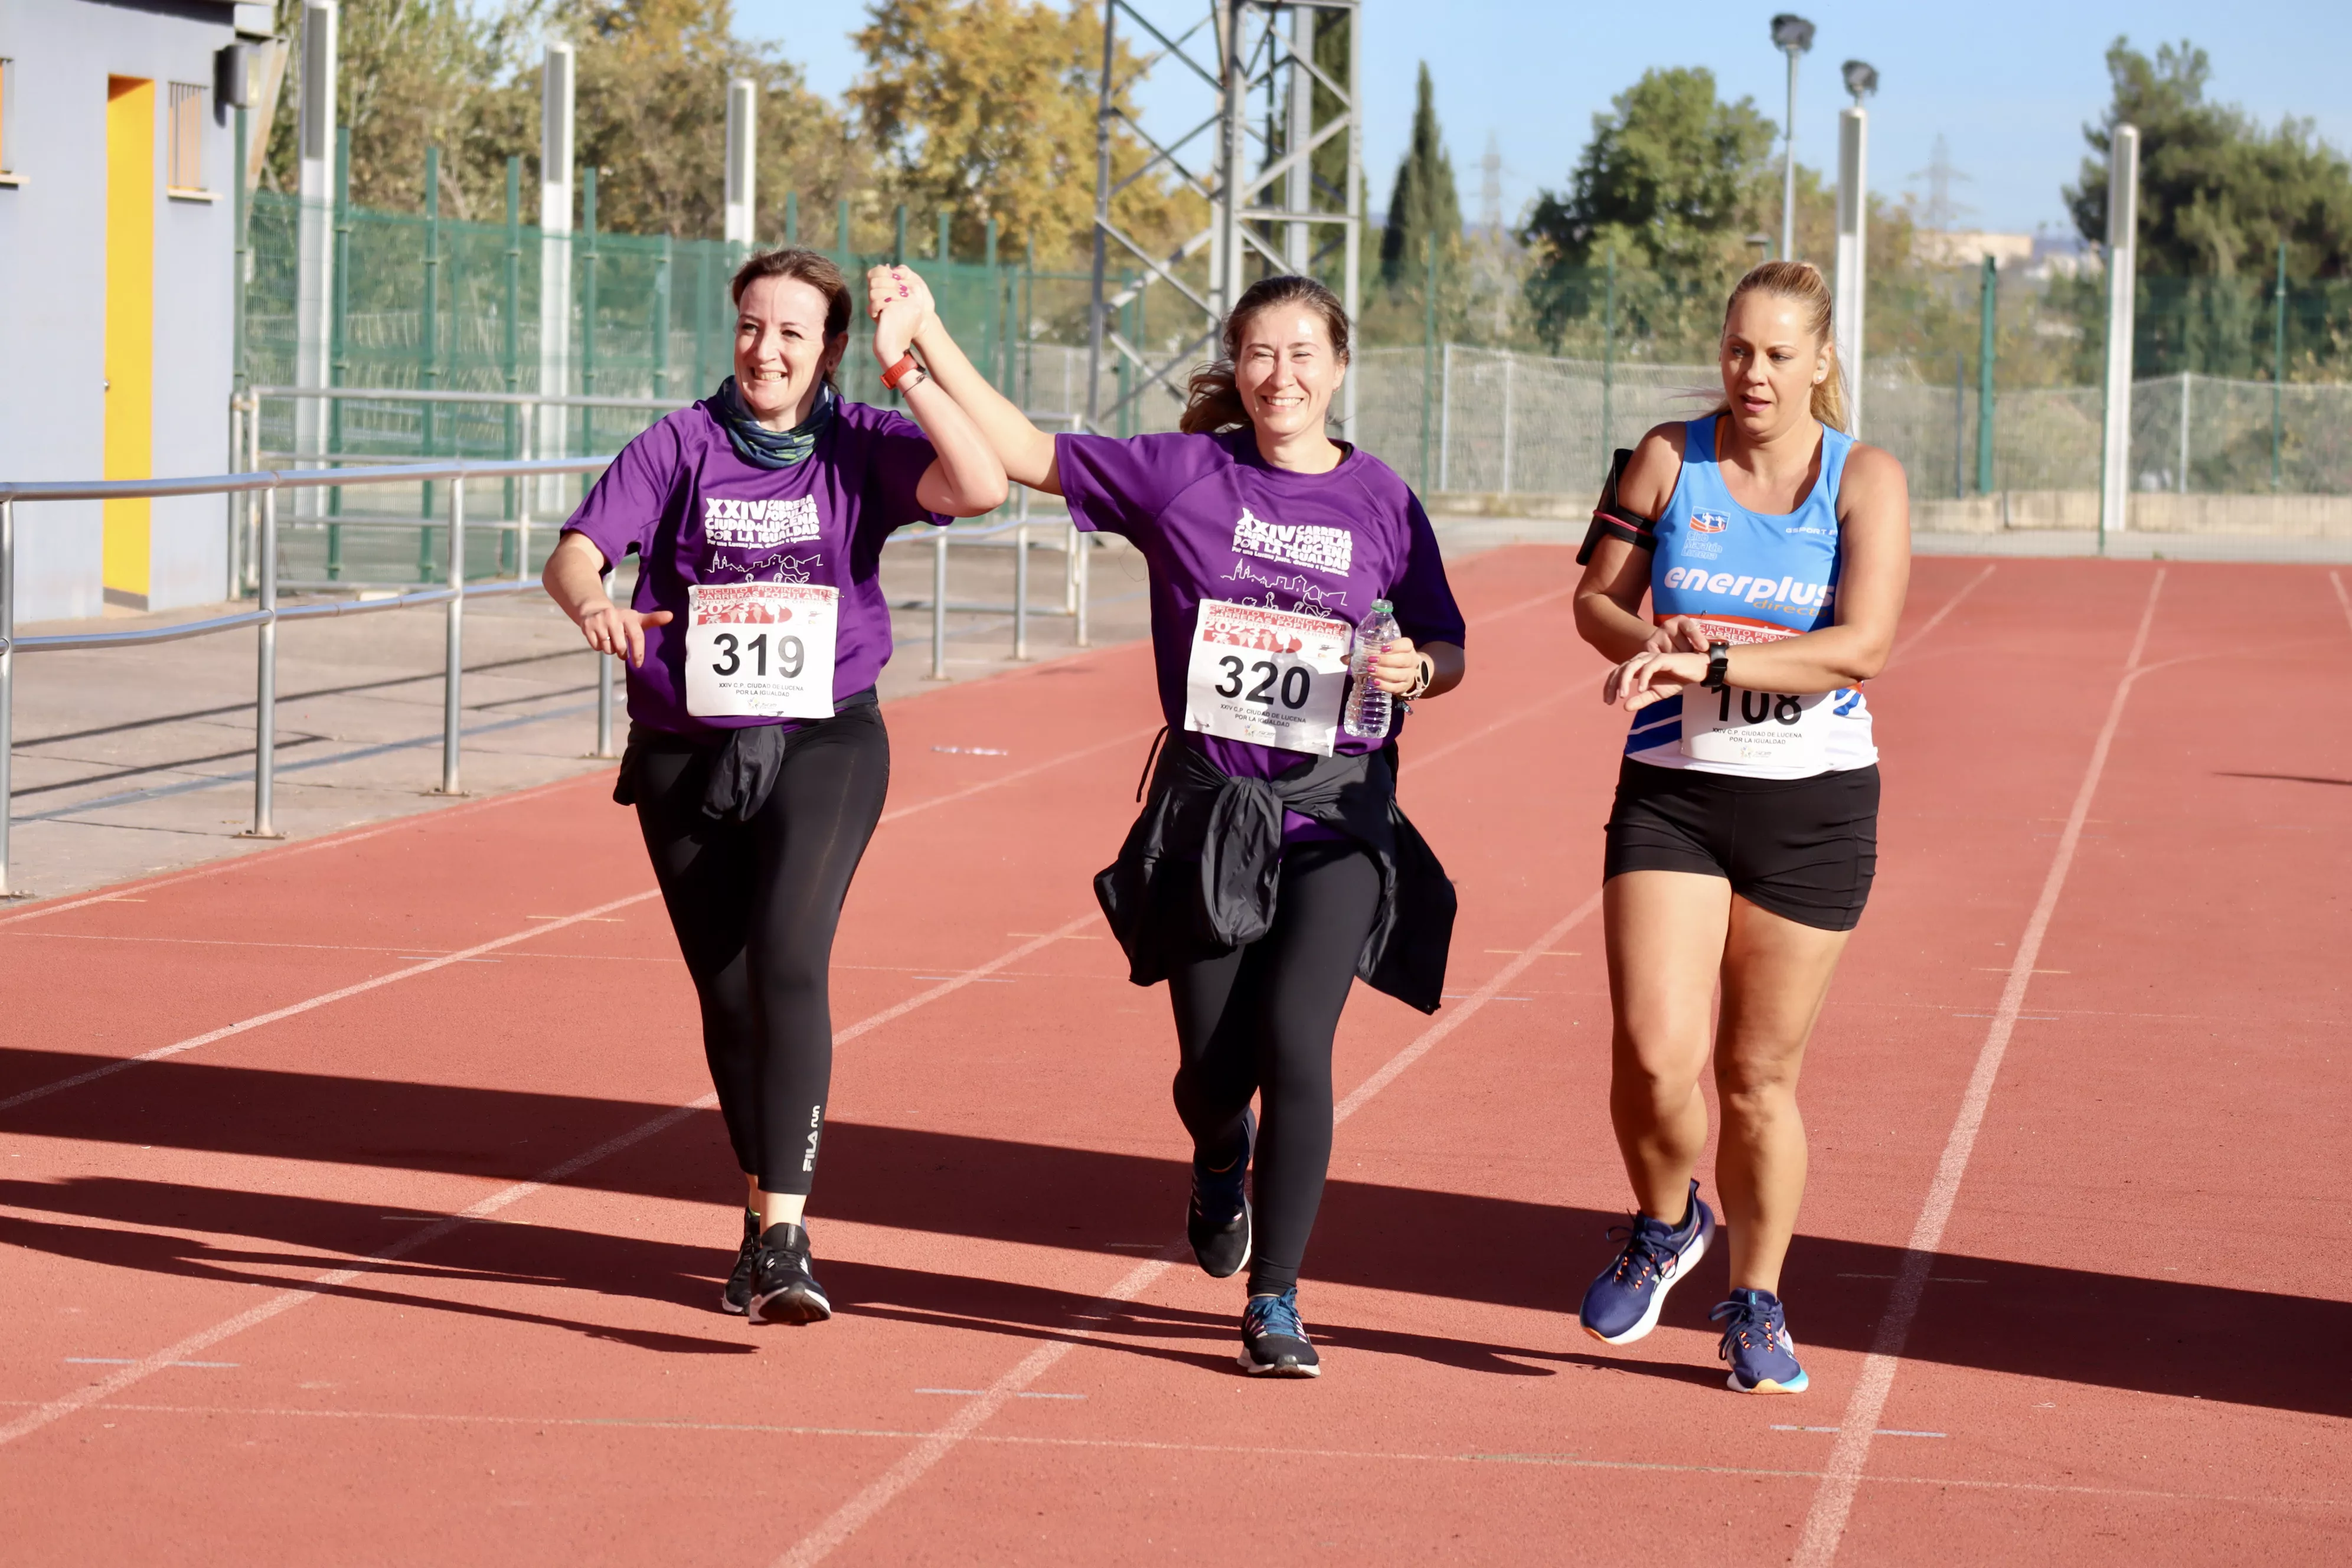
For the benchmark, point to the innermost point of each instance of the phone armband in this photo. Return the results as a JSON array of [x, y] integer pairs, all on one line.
[[1614, 520]]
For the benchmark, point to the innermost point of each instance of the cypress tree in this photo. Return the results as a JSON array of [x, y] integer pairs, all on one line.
[[1423, 201]]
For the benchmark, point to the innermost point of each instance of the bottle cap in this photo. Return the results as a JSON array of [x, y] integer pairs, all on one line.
[[1382, 607]]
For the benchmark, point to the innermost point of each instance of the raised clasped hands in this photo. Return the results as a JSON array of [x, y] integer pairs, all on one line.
[[900, 304]]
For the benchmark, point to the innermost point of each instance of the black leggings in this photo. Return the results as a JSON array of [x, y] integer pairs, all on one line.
[[1260, 1019], [754, 906]]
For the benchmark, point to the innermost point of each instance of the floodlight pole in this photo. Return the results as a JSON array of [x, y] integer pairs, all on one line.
[[1792, 36], [1788, 168], [314, 287], [556, 102], [2123, 265], [1852, 253], [742, 161]]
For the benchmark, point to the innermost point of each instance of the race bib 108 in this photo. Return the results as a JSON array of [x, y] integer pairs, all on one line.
[[1266, 677], [760, 650], [1739, 728]]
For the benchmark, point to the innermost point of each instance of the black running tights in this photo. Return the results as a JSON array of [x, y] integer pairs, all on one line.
[[754, 905], [1260, 1019]]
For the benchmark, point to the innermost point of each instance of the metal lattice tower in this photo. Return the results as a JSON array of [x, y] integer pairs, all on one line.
[[1257, 60]]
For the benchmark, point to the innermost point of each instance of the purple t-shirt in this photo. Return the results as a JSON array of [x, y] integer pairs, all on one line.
[[696, 512], [1215, 521]]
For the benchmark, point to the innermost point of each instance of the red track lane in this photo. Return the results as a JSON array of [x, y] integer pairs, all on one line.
[[2132, 1343]]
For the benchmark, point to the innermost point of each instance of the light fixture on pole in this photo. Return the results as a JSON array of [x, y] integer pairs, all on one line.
[[1853, 234], [1792, 36]]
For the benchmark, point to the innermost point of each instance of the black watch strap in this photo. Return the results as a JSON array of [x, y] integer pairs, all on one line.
[[1718, 665]]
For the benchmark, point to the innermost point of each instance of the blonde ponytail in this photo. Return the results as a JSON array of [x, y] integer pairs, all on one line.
[[1801, 282]]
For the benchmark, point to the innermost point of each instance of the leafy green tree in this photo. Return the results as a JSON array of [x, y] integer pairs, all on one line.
[[651, 102], [409, 74], [1672, 182], [651, 106], [2218, 193], [1422, 202]]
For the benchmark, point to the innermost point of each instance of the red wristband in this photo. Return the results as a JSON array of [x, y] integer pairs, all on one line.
[[905, 367]]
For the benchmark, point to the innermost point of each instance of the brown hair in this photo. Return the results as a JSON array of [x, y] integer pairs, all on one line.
[[807, 266], [1801, 282], [1211, 401]]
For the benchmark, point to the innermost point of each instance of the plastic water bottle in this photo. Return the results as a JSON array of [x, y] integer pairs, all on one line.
[[1367, 705]]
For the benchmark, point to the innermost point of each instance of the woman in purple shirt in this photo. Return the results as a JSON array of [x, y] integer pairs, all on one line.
[[757, 760], [1272, 866]]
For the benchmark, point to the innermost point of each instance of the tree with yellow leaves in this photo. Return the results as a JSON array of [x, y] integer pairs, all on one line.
[[986, 108]]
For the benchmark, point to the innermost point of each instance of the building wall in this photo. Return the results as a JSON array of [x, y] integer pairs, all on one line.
[[53, 294]]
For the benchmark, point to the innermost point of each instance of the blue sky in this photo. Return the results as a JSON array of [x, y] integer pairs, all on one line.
[[2008, 84]]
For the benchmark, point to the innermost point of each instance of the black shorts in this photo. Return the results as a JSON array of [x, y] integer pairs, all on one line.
[[1803, 849]]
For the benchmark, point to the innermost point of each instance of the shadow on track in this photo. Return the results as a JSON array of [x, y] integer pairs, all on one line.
[[487, 1253], [2157, 1336]]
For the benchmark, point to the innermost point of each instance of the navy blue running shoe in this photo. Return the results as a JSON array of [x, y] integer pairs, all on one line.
[[1218, 1222], [1756, 1342], [1274, 1341], [736, 1297], [1624, 1304]]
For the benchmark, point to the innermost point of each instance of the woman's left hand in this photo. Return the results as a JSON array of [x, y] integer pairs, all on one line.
[[895, 328], [1652, 677], [1396, 669]]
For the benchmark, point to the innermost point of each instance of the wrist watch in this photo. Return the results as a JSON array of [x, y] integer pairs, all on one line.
[[1718, 660]]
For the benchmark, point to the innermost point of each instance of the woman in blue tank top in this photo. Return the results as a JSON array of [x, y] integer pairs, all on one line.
[[1744, 835]]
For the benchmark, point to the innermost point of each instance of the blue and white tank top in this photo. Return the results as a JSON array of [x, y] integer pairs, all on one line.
[[1751, 577]]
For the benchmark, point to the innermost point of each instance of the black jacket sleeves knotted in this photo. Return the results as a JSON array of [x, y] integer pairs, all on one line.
[[1201, 868]]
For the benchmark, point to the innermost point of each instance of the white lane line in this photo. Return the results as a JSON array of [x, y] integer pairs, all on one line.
[[1908, 644], [936, 1446], [259, 1019], [1514, 608], [1143, 1445], [275, 854], [286, 1300], [1016, 776], [1454, 1020], [2342, 598], [1833, 1505], [1422, 759]]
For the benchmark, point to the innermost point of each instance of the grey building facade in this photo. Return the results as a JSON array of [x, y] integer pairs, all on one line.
[[116, 259]]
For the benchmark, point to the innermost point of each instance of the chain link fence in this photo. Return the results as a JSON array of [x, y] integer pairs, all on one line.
[[427, 304]]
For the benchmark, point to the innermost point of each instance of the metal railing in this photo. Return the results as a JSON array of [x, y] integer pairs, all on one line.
[[1076, 549], [267, 616], [262, 487], [245, 449]]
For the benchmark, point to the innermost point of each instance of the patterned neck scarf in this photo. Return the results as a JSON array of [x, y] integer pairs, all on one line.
[[765, 448]]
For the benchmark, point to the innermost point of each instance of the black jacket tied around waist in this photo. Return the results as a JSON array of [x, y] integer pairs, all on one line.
[[1201, 868]]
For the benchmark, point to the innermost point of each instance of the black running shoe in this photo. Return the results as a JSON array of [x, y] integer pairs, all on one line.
[[1274, 1341], [1218, 1222], [736, 1297], [783, 1290]]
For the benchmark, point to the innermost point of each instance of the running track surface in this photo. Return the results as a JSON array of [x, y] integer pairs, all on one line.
[[426, 1271]]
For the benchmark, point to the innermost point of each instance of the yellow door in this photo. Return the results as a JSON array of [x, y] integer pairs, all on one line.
[[130, 446]]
